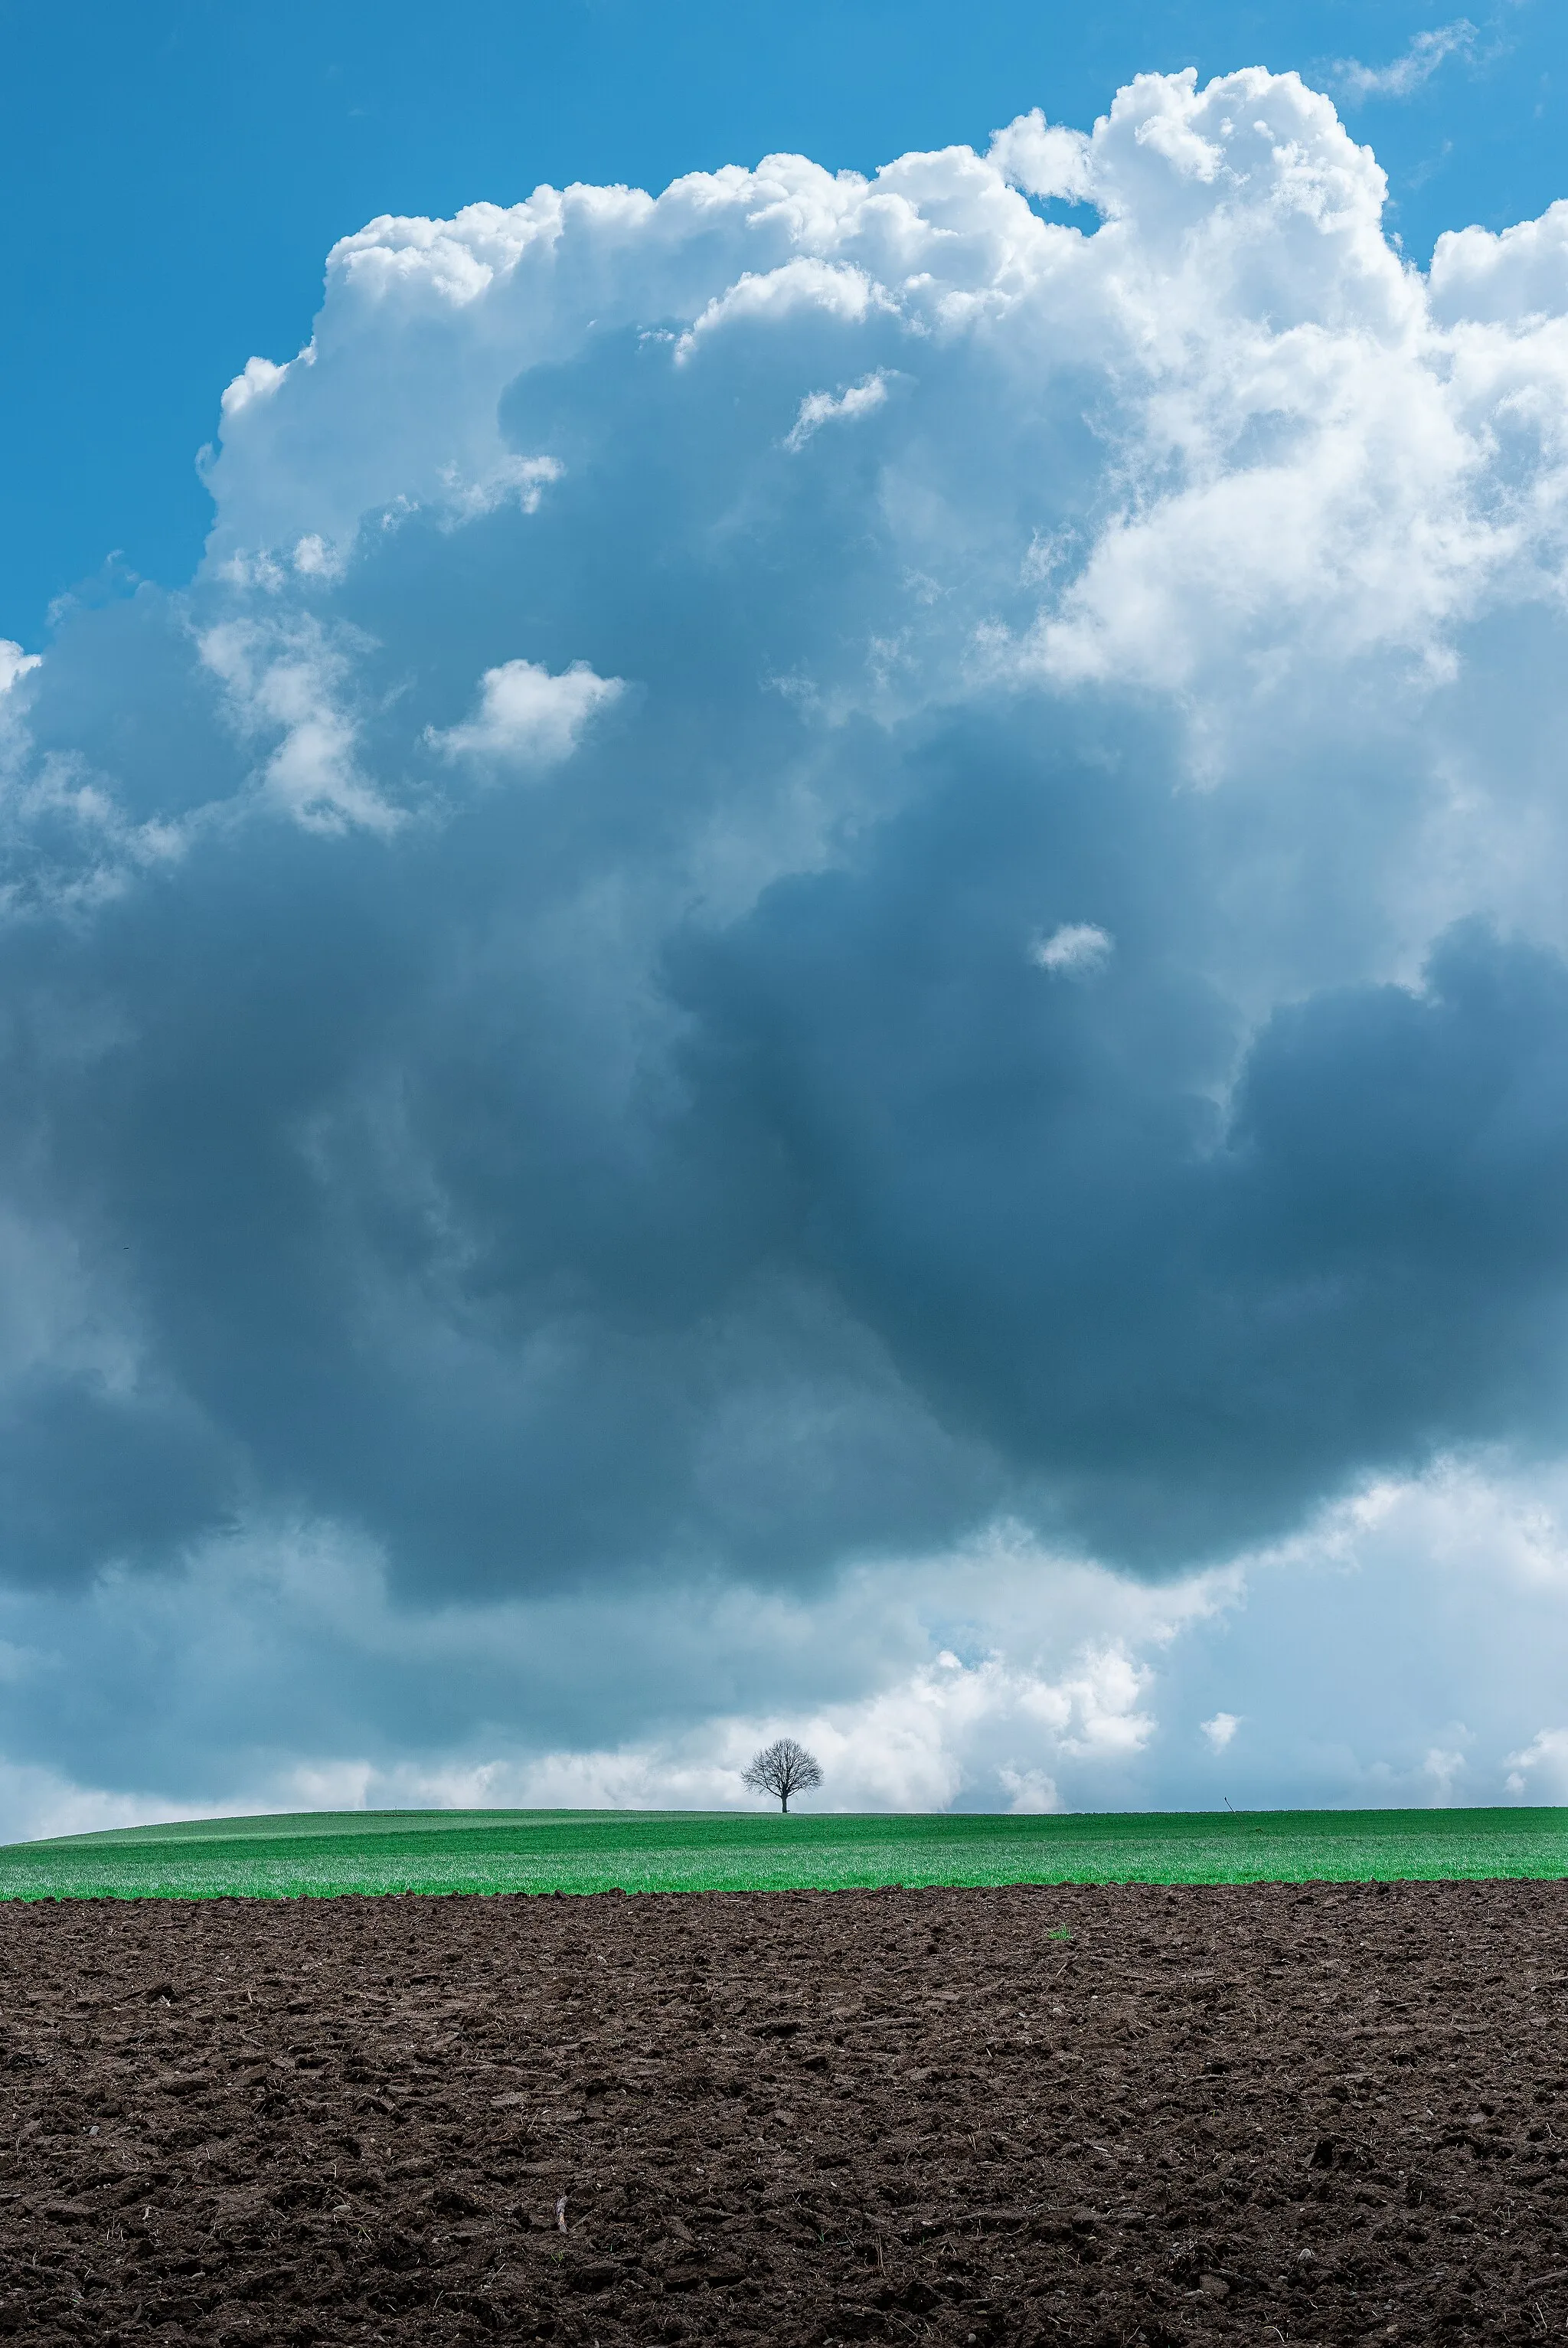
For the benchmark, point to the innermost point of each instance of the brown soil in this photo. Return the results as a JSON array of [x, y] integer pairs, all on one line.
[[1309, 2114]]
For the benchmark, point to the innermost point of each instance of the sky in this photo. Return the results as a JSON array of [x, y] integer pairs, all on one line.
[[782, 906]]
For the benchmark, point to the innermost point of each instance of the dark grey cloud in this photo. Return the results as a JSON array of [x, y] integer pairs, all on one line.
[[1183, 1313], [836, 1227]]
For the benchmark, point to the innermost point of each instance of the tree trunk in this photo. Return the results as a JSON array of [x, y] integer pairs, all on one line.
[[783, 1804]]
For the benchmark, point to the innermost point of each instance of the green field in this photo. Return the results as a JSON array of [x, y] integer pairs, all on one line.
[[318, 1853]]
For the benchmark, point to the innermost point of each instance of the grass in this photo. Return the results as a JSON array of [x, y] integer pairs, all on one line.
[[318, 1853]]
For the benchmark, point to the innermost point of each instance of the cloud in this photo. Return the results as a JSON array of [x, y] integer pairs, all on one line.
[[820, 407], [1221, 1729], [526, 716], [1045, 158], [1547, 1753], [1076, 950], [1411, 70], [663, 1194], [1443, 1766], [281, 684], [1515, 279], [1032, 1792], [280, 1668], [14, 664]]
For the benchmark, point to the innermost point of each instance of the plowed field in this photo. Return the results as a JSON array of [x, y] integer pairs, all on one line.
[[1274, 2112]]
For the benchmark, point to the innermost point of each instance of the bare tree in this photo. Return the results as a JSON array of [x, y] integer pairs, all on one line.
[[783, 1768]]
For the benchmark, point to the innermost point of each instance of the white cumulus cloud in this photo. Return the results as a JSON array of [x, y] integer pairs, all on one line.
[[526, 716], [14, 664]]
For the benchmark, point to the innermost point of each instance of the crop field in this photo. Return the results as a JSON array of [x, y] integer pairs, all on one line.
[[1085, 2117], [318, 1854]]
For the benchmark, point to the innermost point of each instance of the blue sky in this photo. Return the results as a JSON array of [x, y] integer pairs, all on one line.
[[174, 176], [796, 958]]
